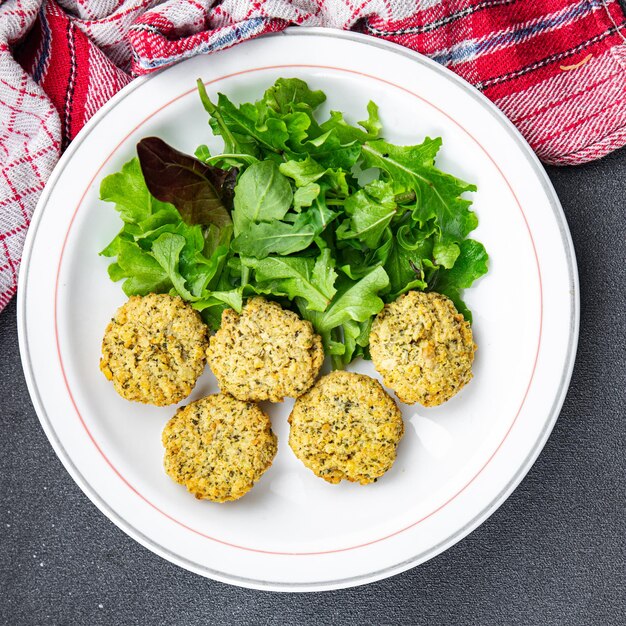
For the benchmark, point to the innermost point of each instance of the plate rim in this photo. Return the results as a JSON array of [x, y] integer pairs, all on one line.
[[462, 532]]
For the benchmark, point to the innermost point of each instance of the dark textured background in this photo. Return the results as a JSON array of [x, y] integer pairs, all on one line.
[[554, 553]]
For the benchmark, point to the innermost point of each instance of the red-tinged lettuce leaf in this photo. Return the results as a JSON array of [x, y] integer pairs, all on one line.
[[203, 194]]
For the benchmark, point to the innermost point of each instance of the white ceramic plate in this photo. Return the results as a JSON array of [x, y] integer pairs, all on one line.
[[456, 463]]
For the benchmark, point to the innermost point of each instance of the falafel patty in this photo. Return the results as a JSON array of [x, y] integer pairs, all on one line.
[[266, 353], [218, 447], [346, 427], [423, 348], [154, 349]]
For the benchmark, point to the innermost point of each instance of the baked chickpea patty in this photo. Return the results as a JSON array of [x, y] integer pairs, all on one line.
[[346, 427], [154, 349], [266, 353], [423, 348], [218, 447]]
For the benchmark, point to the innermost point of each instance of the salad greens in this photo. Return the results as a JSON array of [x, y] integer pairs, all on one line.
[[324, 216]]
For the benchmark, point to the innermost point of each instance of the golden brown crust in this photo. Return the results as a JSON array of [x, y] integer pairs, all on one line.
[[218, 447], [346, 427], [154, 349], [423, 348], [266, 353]]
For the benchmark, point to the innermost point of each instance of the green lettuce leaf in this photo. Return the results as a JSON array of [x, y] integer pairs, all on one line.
[[287, 95], [127, 189], [265, 238], [304, 277], [438, 193], [371, 210], [346, 133], [142, 271], [262, 194], [471, 264], [355, 300]]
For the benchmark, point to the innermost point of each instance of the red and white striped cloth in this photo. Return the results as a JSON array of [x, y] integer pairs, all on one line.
[[557, 68]]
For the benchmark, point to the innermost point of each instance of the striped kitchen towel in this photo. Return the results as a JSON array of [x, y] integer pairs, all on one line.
[[557, 68]]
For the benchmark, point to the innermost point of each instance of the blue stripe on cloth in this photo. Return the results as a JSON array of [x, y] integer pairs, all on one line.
[[467, 50], [239, 32], [45, 47]]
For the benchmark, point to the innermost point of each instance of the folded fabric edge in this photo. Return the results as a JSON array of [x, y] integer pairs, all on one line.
[[577, 115]]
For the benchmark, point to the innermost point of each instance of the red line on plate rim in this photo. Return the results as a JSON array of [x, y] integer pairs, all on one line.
[[118, 473]]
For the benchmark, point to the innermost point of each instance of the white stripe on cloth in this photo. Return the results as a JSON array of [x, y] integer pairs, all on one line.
[[330, 13], [101, 86]]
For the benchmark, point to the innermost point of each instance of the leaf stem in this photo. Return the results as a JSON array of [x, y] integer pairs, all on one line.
[[245, 275], [406, 196], [337, 359], [213, 111], [233, 155]]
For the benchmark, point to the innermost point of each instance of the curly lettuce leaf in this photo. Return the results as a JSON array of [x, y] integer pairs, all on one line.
[[156, 250], [355, 301], [287, 95], [305, 277], [471, 264], [370, 128], [438, 193], [370, 212]]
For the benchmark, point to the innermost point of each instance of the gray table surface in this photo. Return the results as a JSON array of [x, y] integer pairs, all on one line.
[[554, 553]]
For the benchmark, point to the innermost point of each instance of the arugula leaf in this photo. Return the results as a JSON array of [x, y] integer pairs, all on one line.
[[219, 126], [405, 263], [319, 215], [471, 265], [202, 193], [166, 250], [329, 152], [304, 277], [344, 326], [356, 300], [346, 133], [271, 135], [439, 194], [371, 209], [356, 263]]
